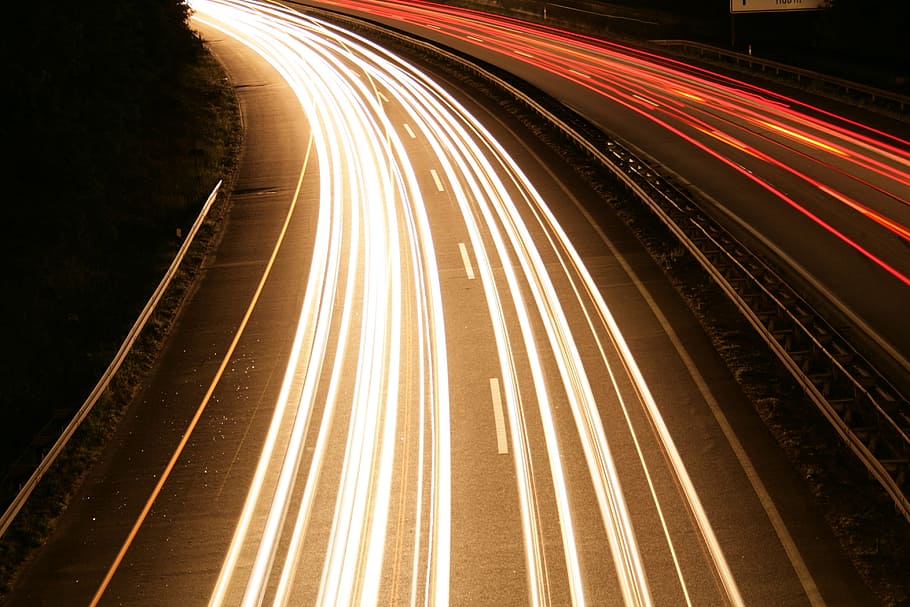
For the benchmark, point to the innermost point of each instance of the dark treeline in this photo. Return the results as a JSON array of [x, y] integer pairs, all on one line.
[[103, 134], [861, 38], [100, 120]]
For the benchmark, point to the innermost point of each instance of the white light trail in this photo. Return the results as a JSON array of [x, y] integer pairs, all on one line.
[[339, 110], [374, 281]]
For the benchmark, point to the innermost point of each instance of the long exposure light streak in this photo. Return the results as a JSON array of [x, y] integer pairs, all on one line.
[[374, 283], [367, 484], [681, 97]]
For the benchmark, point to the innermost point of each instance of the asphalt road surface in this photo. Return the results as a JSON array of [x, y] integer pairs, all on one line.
[[821, 187], [423, 366]]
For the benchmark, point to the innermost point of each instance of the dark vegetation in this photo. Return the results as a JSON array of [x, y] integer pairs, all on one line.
[[117, 125], [110, 150], [870, 28], [860, 40]]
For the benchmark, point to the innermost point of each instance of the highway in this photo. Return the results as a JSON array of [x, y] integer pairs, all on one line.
[[826, 195], [417, 369]]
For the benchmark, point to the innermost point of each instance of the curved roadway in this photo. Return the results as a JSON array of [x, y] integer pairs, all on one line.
[[826, 195], [416, 370]]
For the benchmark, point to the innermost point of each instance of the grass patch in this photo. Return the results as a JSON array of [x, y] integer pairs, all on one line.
[[195, 145]]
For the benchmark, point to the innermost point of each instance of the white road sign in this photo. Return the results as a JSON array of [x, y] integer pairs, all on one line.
[[758, 6]]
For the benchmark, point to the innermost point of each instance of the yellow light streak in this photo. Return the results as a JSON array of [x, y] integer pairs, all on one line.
[[688, 95], [804, 138]]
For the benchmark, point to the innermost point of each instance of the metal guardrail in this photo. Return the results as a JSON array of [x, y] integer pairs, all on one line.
[[29, 486], [875, 96], [868, 413]]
